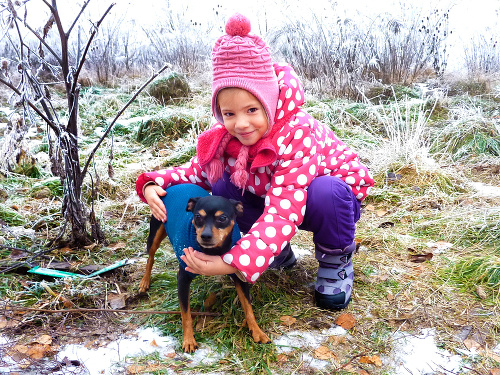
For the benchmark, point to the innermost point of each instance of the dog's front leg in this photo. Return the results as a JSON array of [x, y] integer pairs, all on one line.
[[184, 279], [243, 290]]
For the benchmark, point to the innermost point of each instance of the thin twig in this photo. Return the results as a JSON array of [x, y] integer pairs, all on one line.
[[83, 310]]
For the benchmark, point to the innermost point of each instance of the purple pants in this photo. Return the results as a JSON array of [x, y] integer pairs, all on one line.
[[331, 209]]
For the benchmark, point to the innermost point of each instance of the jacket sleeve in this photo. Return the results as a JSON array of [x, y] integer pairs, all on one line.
[[190, 172], [285, 204]]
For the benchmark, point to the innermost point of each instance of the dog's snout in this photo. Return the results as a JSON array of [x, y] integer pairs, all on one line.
[[206, 234]]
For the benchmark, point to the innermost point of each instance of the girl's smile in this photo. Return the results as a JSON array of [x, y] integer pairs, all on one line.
[[243, 114]]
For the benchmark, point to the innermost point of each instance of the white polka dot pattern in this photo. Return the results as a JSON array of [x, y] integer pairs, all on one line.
[[305, 150]]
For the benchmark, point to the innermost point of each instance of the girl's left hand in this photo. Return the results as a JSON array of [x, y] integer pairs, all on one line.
[[208, 265]]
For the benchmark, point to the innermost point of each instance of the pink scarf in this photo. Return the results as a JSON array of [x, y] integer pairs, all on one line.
[[215, 142]]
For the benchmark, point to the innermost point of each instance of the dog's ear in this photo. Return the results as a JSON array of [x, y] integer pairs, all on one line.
[[191, 204], [238, 207]]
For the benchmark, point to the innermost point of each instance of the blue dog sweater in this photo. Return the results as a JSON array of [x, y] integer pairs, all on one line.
[[179, 226]]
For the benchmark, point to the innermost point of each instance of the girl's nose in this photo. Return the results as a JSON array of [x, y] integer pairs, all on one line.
[[242, 122]]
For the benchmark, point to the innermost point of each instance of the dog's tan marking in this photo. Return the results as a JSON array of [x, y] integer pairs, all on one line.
[[257, 334], [189, 344], [160, 235]]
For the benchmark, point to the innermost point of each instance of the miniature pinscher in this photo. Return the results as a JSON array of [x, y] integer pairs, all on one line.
[[213, 221]]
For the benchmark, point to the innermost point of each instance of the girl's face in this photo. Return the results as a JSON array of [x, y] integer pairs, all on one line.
[[244, 117]]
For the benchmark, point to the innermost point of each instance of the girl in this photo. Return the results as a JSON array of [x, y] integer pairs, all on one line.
[[289, 170]]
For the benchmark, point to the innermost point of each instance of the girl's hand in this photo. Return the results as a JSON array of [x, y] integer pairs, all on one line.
[[152, 193], [208, 265]]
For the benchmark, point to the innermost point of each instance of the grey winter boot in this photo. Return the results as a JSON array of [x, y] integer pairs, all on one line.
[[335, 277]]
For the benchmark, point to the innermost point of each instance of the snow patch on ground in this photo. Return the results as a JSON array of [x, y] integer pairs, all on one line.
[[308, 340], [485, 190], [301, 252], [418, 354]]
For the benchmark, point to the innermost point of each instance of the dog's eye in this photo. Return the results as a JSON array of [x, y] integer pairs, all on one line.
[[222, 219]]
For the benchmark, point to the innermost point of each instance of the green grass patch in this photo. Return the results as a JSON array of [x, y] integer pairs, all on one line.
[[11, 216]]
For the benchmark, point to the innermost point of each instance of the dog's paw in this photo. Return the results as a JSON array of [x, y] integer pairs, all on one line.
[[144, 285], [260, 337], [189, 345]]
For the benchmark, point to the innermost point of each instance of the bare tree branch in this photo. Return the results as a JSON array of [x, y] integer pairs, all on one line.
[[33, 106], [94, 32], [78, 17], [110, 127]]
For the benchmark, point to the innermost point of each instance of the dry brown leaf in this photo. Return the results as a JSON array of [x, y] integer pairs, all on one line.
[[419, 258], [495, 371], [363, 372], [336, 340], [117, 301], [118, 245], [287, 320], [370, 207], [8, 323], [380, 213], [43, 339], [170, 355], [38, 351], [371, 360], [480, 292], [23, 349], [153, 343], [390, 296], [346, 321], [90, 247], [469, 344], [282, 358], [490, 354], [323, 353]]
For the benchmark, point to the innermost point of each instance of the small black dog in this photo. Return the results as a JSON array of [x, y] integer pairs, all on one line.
[[213, 220]]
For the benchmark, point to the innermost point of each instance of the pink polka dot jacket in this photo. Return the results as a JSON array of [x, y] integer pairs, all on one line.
[[280, 168]]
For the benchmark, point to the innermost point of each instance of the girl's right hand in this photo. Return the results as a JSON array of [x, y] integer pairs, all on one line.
[[152, 193]]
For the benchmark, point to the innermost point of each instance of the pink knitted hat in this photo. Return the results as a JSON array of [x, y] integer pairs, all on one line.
[[243, 60]]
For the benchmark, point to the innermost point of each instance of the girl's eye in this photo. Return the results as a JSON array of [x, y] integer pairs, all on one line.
[[252, 110], [227, 114]]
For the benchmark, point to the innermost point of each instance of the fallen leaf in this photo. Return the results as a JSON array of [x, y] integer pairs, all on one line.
[[44, 340], [118, 245], [495, 371], [38, 351], [8, 322], [282, 358], [363, 372], [490, 354], [390, 296], [323, 353], [419, 258], [469, 344], [210, 301], [153, 343], [371, 360], [170, 355], [480, 292], [336, 340], [346, 321], [23, 349], [287, 320], [117, 301], [370, 207], [381, 213], [90, 247], [202, 322]]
